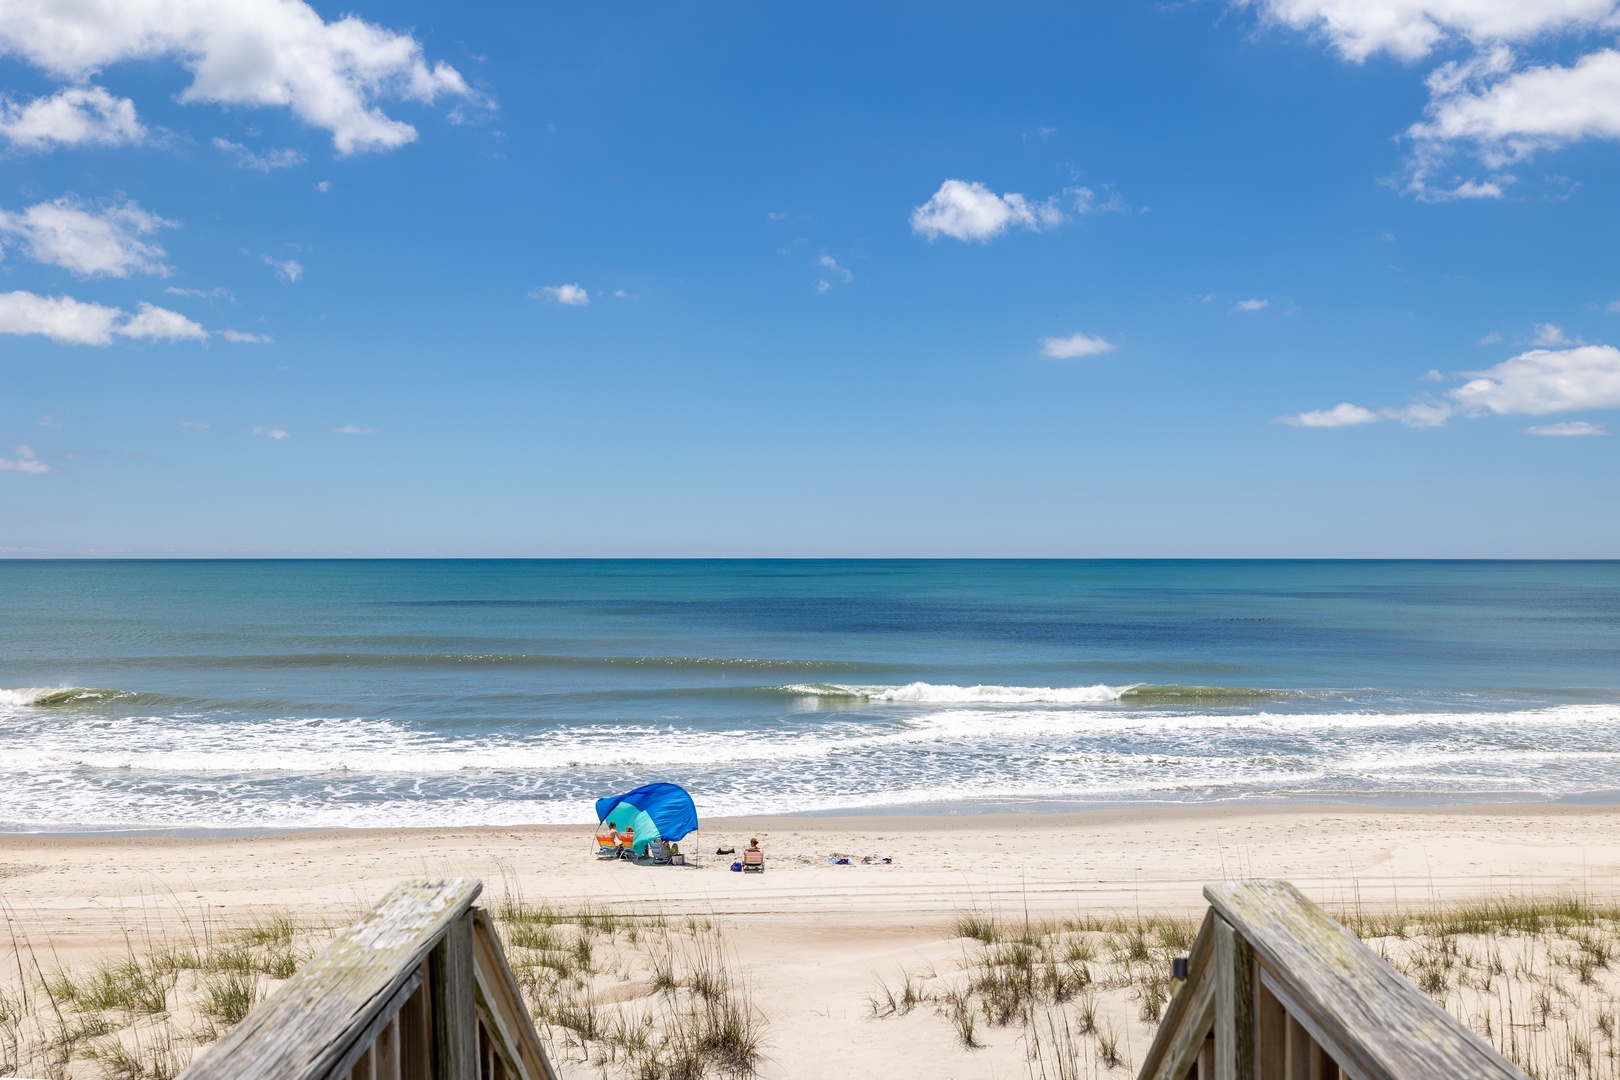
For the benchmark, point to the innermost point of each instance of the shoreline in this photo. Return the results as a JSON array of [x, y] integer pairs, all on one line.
[[872, 817]]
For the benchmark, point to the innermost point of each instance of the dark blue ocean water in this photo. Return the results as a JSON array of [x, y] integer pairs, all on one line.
[[269, 694]]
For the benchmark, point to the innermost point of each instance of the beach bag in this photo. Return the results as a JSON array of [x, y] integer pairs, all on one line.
[[737, 866]]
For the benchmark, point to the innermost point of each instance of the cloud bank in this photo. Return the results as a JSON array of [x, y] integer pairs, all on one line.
[[1534, 383], [85, 241], [269, 53], [76, 322], [73, 116], [1494, 105]]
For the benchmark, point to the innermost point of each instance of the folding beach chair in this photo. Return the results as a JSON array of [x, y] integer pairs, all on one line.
[[753, 861], [605, 847], [627, 843]]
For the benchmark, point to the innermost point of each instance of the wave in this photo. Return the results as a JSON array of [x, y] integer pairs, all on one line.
[[45, 697], [931, 693], [1135, 694], [520, 660]]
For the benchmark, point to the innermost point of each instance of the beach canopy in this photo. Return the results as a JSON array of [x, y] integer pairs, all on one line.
[[654, 811]]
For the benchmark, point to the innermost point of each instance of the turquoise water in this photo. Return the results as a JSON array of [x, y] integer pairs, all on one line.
[[276, 694]]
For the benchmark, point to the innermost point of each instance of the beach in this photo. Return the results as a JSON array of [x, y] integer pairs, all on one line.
[[813, 939]]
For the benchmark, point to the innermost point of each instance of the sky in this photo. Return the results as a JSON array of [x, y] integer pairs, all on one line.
[[1278, 278]]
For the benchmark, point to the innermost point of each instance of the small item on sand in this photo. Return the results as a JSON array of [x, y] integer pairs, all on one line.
[[725, 851], [840, 860], [736, 867], [877, 860]]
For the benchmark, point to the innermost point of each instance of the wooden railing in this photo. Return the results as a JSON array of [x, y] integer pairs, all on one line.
[[1277, 990], [418, 989]]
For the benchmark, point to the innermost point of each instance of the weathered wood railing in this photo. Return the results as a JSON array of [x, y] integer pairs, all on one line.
[[1277, 990], [418, 989]]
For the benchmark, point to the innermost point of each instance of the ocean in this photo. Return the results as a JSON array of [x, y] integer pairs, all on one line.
[[293, 694]]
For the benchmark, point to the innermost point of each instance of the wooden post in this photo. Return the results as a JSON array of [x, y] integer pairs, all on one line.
[[455, 1024], [1234, 1005]]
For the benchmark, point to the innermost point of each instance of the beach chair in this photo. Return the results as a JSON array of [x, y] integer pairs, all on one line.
[[658, 851], [605, 847], [627, 843], [753, 861]]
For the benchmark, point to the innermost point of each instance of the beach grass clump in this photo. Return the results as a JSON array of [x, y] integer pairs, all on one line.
[[635, 995], [142, 1013], [1535, 976], [1081, 992]]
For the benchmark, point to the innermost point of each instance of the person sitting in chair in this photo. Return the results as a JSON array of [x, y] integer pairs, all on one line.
[[753, 858]]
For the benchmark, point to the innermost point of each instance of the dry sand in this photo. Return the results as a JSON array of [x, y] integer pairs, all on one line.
[[815, 936]]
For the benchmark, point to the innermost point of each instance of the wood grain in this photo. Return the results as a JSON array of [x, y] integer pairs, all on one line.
[[1364, 1014]]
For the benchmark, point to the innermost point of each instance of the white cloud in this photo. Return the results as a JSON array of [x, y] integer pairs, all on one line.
[[1566, 429], [89, 243], [1491, 104], [60, 318], [836, 275], [351, 429], [288, 270], [218, 292], [271, 432], [242, 337], [1505, 116], [73, 116], [1410, 29], [1612, 307], [1251, 305], [1067, 348], [1549, 335], [25, 461], [249, 158], [1544, 381], [323, 186], [567, 295], [160, 324], [1343, 414], [243, 52], [1420, 414], [75, 322], [971, 211]]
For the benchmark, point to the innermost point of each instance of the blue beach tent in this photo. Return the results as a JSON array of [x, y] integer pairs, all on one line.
[[655, 811]]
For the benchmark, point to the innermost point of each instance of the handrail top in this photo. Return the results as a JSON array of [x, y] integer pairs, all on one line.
[[305, 1025], [1380, 1025]]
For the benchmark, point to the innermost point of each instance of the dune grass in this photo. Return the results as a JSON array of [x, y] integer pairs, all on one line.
[[142, 1013], [1537, 977], [638, 996]]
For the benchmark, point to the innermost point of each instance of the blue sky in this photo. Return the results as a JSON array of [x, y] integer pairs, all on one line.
[[1287, 278]]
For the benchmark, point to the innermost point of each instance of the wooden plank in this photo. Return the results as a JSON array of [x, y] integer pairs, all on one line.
[[310, 1022], [1297, 1050], [1368, 1018], [1271, 1034], [387, 1051], [499, 993], [1187, 1017], [416, 1035], [1167, 1054], [1234, 1004], [365, 1036], [455, 1016]]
